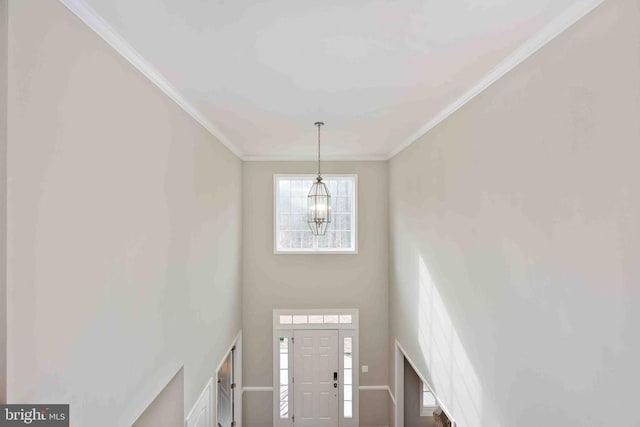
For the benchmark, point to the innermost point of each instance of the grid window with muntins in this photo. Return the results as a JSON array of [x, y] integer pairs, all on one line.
[[284, 377], [292, 231], [348, 377]]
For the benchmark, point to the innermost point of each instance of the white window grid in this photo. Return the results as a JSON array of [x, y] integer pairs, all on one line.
[[428, 402], [335, 318], [315, 246], [283, 377], [347, 375], [315, 319]]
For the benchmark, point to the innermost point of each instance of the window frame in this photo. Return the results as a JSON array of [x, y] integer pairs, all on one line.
[[427, 410], [317, 251]]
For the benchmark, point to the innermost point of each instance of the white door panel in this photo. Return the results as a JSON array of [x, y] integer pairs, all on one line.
[[315, 393]]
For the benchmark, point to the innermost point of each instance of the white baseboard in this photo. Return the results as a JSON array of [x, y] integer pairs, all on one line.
[[379, 388], [254, 388]]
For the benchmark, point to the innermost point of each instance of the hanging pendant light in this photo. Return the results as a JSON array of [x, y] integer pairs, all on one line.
[[319, 200]]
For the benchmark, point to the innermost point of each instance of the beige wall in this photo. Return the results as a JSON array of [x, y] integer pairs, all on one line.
[[515, 235], [124, 224], [412, 396], [314, 281], [167, 409], [3, 198]]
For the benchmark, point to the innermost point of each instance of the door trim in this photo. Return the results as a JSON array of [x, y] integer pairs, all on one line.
[[351, 329]]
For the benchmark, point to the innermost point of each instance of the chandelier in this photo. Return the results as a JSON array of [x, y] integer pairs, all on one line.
[[319, 200]]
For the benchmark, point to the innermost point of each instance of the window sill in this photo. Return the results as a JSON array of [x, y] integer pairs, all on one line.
[[318, 252], [427, 411]]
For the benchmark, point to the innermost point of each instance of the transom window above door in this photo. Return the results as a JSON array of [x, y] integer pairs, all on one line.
[[292, 234], [315, 319]]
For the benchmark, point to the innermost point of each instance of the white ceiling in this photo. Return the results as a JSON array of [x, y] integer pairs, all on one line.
[[376, 71]]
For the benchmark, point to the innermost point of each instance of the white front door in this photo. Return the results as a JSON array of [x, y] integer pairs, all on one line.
[[315, 378]]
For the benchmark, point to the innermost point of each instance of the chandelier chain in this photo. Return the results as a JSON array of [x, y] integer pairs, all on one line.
[[319, 200], [319, 124]]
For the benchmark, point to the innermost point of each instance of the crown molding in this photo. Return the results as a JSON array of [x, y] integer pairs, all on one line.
[[560, 24], [95, 22], [346, 158], [556, 27]]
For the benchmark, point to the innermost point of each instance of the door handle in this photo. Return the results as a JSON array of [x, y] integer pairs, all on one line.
[[335, 376], [335, 385]]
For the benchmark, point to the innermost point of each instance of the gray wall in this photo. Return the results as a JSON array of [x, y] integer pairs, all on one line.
[[412, 392], [167, 409], [314, 281], [515, 234], [124, 224], [3, 198]]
